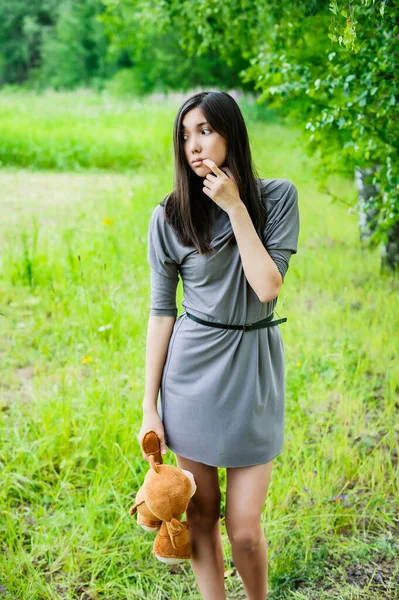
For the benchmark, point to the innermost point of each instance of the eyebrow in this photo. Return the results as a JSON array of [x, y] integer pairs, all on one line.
[[198, 125]]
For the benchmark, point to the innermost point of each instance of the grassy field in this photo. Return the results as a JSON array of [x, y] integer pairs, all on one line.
[[74, 303]]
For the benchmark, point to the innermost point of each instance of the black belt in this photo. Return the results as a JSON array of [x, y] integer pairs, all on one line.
[[258, 325]]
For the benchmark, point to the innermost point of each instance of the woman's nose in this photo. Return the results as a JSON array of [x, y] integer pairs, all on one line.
[[195, 146]]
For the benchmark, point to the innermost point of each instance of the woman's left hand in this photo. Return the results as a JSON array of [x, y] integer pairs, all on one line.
[[221, 186]]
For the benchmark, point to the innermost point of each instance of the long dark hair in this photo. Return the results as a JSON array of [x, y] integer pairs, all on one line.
[[187, 207]]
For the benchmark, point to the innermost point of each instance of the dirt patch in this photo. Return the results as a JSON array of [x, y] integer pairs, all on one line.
[[48, 194], [25, 373], [347, 578]]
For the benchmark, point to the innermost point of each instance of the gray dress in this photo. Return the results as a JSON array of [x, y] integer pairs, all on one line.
[[222, 393]]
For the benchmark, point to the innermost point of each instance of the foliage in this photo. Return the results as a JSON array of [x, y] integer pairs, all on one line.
[[22, 25], [159, 61], [58, 44], [338, 79], [75, 43], [75, 51]]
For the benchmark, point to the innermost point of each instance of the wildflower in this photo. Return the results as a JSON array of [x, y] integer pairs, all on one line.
[[104, 327], [87, 359], [339, 497], [312, 473], [107, 221]]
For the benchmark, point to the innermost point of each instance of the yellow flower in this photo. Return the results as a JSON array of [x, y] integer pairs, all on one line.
[[298, 364], [107, 221], [86, 359]]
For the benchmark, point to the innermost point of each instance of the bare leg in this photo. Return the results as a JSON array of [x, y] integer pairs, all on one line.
[[245, 498], [203, 515]]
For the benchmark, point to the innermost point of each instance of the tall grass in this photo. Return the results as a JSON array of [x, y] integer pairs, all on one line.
[[74, 290], [78, 131], [81, 130]]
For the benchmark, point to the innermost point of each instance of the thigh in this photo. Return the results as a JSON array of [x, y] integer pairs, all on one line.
[[207, 498], [246, 492]]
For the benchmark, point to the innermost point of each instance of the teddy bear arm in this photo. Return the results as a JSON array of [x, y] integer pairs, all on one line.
[[177, 531]]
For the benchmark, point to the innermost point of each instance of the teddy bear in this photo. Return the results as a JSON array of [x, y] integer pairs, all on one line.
[[161, 501]]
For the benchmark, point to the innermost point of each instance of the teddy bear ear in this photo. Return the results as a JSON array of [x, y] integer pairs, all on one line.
[[192, 481], [134, 508], [151, 444]]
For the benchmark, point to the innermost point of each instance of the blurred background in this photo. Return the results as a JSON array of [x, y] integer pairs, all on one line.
[[88, 94]]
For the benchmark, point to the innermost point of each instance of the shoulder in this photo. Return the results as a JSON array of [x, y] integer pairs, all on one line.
[[157, 216], [158, 213], [161, 232], [280, 198], [280, 191], [158, 222]]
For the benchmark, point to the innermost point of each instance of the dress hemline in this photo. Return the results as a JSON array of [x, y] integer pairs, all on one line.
[[224, 466]]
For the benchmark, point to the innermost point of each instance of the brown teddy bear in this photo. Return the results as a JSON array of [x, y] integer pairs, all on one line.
[[161, 501]]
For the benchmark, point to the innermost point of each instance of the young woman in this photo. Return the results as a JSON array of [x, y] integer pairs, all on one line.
[[230, 236]]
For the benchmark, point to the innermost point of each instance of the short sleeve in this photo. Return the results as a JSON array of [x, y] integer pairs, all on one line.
[[281, 233], [164, 271]]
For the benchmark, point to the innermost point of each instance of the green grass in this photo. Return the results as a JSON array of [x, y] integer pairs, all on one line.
[[73, 260], [84, 130], [75, 131]]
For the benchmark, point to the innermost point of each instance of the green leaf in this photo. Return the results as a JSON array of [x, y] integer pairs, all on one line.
[[334, 7]]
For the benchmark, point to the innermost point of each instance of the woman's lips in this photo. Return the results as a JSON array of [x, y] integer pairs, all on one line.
[[197, 163]]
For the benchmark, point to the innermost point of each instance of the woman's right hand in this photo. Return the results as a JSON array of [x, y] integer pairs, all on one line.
[[152, 421]]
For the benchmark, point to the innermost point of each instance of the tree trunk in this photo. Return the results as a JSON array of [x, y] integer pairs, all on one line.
[[368, 219], [366, 192], [390, 250]]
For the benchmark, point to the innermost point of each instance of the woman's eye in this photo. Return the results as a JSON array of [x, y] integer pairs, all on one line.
[[184, 136]]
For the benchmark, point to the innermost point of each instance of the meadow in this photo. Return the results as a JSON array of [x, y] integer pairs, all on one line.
[[80, 175]]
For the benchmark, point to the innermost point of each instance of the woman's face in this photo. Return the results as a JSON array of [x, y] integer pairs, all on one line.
[[201, 141]]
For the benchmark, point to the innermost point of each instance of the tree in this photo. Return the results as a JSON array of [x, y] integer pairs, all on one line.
[[158, 61], [75, 51], [53, 43], [21, 27], [331, 67]]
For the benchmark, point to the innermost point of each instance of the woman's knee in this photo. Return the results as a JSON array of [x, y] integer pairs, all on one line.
[[204, 507], [203, 518], [244, 537]]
